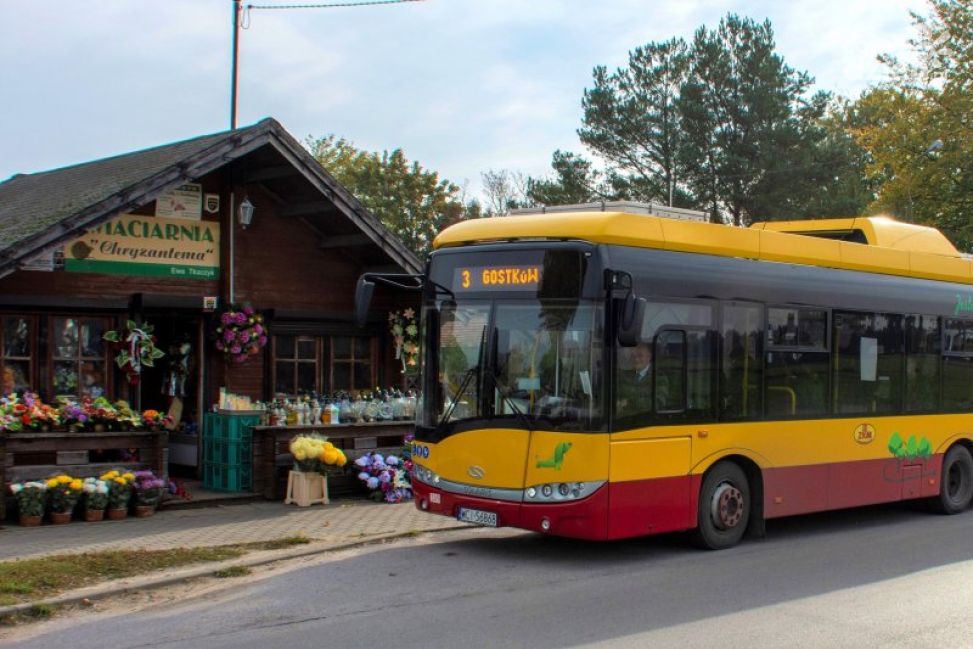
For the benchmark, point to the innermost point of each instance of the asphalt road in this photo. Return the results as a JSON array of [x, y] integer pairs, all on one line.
[[879, 577]]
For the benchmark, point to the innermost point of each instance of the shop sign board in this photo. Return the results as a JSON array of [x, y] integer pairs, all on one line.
[[150, 246], [183, 202]]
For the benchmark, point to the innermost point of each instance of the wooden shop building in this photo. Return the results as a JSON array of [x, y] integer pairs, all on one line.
[[171, 236]]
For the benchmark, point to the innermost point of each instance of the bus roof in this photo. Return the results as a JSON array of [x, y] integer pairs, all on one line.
[[869, 244]]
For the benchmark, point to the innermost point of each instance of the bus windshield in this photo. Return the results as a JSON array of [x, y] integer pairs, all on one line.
[[531, 363]]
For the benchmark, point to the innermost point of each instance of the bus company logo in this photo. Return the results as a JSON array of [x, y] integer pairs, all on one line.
[[864, 434], [556, 459], [964, 304], [420, 451], [476, 472]]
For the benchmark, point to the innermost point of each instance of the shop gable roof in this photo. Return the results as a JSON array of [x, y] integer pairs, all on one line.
[[41, 210]]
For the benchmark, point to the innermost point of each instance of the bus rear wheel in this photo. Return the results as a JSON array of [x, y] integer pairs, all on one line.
[[724, 507], [956, 481]]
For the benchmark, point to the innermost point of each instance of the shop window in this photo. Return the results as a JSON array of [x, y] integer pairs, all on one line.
[[296, 364], [352, 365], [18, 335], [79, 356], [325, 364]]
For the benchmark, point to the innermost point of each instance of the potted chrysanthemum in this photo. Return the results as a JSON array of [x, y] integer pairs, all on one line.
[[148, 492], [63, 493], [119, 492], [95, 499], [30, 497]]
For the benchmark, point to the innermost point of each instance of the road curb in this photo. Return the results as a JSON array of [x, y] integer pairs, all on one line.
[[108, 588]]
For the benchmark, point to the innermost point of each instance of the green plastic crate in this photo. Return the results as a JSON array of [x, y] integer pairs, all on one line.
[[220, 476]]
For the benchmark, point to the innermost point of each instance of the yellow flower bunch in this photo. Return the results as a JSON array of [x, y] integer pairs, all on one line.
[[308, 449], [109, 475]]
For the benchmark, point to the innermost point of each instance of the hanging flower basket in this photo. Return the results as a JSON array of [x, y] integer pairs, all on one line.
[[240, 333]]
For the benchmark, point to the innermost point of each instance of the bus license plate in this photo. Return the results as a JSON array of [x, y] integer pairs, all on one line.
[[477, 517]]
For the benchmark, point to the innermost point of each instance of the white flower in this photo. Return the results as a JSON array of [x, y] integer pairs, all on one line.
[[89, 487], [362, 462], [364, 475], [16, 488], [392, 460]]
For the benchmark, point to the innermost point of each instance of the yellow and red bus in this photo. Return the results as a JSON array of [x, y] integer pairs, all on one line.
[[603, 375]]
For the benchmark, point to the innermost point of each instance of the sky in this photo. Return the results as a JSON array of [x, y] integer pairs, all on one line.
[[461, 86]]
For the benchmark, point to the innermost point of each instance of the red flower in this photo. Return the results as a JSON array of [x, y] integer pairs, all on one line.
[[26, 420]]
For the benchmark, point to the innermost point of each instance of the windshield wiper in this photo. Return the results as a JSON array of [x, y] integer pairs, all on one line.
[[502, 388], [464, 384]]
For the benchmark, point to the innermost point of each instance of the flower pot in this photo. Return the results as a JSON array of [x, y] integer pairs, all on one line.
[[144, 511], [94, 515], [117, 514], [30, 521], [60, 518], [99, 428]]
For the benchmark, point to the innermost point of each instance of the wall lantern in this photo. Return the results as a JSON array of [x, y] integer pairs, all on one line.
[[245, 213]]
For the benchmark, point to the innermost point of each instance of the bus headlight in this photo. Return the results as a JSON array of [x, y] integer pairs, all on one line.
[[425, 475], [561, 492]]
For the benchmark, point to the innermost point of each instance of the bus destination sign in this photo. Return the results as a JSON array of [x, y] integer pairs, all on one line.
[[497, 278]]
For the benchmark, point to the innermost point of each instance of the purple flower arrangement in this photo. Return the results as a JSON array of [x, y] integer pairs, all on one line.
[[148, 488], [386, 477], [240, 333]]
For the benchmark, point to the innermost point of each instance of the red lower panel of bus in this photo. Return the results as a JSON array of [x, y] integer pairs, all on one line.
[[805, 489], [642, 507]]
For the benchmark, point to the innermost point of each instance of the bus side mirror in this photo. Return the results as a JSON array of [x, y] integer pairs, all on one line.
[[363, 299], [630, 317]]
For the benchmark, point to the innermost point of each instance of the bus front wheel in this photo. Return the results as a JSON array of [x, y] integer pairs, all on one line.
[[724, 507], [956, 481]]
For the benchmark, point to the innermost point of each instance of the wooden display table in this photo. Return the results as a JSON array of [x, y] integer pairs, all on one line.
[[272, 459], [37, 455]]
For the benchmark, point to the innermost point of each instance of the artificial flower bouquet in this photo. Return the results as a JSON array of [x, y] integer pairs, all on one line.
[[405, 334], [153, 419], [63, 492], [30, 497], [95, 494], [136, 349], [240, 333], [386, 477], [27, 412], [313, 453], [148, 488]]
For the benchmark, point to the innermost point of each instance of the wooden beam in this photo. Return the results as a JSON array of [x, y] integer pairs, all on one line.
[[268, 173], [302, 209], [344, 241], [387, 268]]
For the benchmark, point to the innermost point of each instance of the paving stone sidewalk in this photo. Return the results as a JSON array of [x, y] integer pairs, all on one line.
[[338, 523]]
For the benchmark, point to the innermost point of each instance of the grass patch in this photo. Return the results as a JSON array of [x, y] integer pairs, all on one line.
[[30, 579], [279, 544], [27, 580], [232, 571]]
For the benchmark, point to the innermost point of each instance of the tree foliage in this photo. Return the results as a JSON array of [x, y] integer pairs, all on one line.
[[721, 124], [632, 120], [412, 202], [918, 126]]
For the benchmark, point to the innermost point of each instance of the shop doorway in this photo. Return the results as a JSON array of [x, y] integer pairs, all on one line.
[[173, 387]]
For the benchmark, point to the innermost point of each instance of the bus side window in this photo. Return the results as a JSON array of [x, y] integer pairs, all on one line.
[[670, 372], [741, 363], [797, 363]]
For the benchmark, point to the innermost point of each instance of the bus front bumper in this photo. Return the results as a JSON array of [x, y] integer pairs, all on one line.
[[581, 519]]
